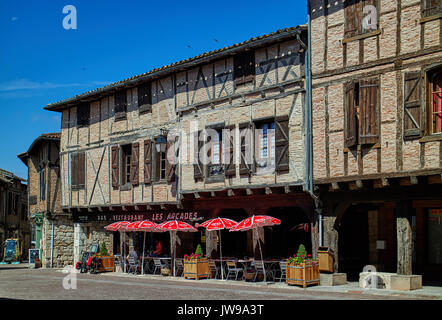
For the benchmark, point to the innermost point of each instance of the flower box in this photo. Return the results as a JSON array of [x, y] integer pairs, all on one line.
[[107, 264], [196, 269], [303, 274]]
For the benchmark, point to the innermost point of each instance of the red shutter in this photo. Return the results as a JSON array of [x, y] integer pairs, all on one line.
[[115, 167], [282, 143], [135, 164], [147, 162], [368, 102]]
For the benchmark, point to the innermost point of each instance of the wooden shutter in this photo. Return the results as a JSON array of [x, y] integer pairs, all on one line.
[[135, 164], [351, 18], [198, 168], [115, 167], [120, 105], [145, 97], [83, 114], [147, 162], [431, 8], [368, 103], [245, 166], [351, 128], [78, 171], [244, 67], [81, 170], [170, 167], [282, 144], [412, 105], [228, 152]]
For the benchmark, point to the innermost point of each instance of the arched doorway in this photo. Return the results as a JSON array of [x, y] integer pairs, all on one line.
[[353, 241], [283, 241]]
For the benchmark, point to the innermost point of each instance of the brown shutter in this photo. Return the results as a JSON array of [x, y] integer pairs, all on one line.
[[228, 152], [83, 114], [351, 18], [145, 97], [147, 162], [170, 167], [120, 105], [368, 102], [351, 129], [245, 167], [198, 168], [282, 143], [74, 170], [81, 170], [115, 167], [244, 68], [135, 164], [412, 105]]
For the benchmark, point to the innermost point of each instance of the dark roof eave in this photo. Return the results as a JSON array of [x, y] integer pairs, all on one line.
[[177, 66]]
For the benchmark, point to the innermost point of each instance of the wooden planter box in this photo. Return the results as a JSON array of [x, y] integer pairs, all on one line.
[[325, 256], [249, 276], [196, 269], [303, 274], [107, 264]]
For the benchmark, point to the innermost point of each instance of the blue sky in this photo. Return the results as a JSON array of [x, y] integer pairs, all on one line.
[[41, 62]]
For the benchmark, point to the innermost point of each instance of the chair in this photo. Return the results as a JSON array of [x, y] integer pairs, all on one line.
[[119, 262], [259, 267], [158, 265], [233, 269], [179, 263], [133, 265], [283, 269], [213, 269]]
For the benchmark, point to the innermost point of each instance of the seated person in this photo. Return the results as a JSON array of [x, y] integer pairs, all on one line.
[[158, 248], [133, 254]]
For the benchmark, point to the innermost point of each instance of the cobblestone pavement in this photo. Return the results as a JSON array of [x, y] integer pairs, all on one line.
[[19, 282]]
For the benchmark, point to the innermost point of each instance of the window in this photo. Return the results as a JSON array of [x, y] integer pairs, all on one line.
[[215, 154], [126, 157], [160, 165], [435, 101], [42, 184], [83, 114], [431, 8], [244, 67], [78, 164], [360, 17], [145, 97], [361, 113], [120, 105], [265, 145], [434, 240]]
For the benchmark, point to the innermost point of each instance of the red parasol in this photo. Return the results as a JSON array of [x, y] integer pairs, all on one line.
[[175, 226], [146, 226], [219, 224], [119, 226], [256, 222]]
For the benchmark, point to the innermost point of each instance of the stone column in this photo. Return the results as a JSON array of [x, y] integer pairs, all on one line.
[[373, 237], [80, 238], [258, 235], [404, 238], [212, 244], [331, 237]]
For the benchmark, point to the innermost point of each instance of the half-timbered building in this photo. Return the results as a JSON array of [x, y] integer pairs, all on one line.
[[53, 229], [127, 150], [377, 135]]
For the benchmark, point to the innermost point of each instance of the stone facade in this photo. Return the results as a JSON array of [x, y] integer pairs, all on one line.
[[42, 160]]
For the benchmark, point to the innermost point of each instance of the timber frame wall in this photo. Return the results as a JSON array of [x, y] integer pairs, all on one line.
[[401, 165], [204, 91]]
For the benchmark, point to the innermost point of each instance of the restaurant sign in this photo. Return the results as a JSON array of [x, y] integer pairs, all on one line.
[[157, 217]]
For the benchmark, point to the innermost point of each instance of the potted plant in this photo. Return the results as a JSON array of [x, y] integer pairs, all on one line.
[[302, 269], [107, 259], [196, 266]]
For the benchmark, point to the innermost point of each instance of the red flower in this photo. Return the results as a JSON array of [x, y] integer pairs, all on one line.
[[309, 255]]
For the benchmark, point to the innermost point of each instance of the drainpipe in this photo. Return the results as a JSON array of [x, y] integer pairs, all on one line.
[[309, 140], [52, 245]]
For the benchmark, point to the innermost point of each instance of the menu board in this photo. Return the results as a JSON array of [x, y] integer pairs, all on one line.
[[33, 254]]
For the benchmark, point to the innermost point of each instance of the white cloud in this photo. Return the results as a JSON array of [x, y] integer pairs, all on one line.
[[25, 84], [14, 18]]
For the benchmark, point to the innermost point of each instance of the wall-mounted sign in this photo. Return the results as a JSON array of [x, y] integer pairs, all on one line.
[[436, 212], [157, 217]]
